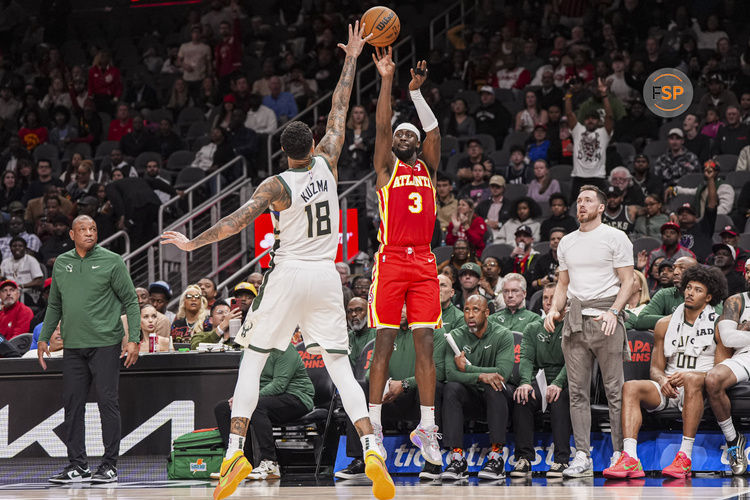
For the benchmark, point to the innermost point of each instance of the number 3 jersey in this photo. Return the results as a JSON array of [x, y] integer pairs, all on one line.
[[407, 206], [309, 229]]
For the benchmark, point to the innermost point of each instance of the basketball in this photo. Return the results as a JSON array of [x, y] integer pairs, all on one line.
[[384, 25]]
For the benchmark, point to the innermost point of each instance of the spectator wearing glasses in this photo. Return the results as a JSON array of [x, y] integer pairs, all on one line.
[[190, 316], [651, 222], [82, 185], [515, 316], [218, 331]]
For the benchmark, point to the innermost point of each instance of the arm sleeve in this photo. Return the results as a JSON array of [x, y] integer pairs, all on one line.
[[283, 370], [652, 313], [210, 336], [528, 354], [725, 192], [504, 356], [731, 336], [54, 308], [426, 116], [561, 380], [123, 287], [453, 374]]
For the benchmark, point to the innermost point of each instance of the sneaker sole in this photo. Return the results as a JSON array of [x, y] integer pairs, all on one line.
[[429, 476], [519, 474], [345, 476], [235, 476], [578, 475], [382, 484], [490, 476], [553, 474], [104, 481], [414, 438], [69, 481], [676, 475], [453, 477]]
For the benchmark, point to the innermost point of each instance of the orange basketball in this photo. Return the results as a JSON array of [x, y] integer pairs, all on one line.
[[384, 25]]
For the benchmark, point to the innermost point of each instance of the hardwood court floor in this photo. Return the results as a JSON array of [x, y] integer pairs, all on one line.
[[407, 488]]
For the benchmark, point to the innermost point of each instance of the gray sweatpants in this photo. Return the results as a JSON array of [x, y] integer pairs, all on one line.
[[579, 350]]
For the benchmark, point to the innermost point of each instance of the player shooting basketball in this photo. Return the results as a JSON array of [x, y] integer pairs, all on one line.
[[405, 270], [305, 211]]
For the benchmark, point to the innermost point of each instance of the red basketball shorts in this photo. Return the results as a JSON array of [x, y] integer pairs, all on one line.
[[404, 275]]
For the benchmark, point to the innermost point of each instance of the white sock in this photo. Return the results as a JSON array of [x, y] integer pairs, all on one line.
[[687, 446], [629, 446], [375, 410], [236, 443], [369, 442], [727, 427], [428, 416]]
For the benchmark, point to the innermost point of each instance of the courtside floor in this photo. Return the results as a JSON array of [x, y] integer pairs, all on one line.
[[145, 478]]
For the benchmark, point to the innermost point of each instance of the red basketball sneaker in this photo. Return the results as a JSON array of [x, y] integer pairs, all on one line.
[[626, 467], [680, 468]]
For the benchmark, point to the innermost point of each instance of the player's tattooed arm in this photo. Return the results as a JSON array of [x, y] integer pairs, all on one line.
[[239, 426], [331, 144], [732, 309], [271, 193]]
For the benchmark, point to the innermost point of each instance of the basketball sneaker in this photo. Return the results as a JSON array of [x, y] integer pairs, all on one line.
[[624, 468], [105, 474], [426, 439], [382, 484], [736, 455], [72, 474], [556, 470], [267, 469], [355, 470], [493, 469], [431, 471], [581, 466], [680, 467], [457, 468], [233, 471], [522, 468]]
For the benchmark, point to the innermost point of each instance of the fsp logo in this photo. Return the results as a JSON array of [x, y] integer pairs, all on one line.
[[668, 92]]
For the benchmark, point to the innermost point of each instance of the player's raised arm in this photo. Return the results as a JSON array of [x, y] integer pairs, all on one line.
[[384, 159], [331, 144], [270, 193], [431, 143]]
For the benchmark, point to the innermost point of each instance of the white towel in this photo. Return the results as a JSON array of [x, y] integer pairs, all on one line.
[[701, 334]]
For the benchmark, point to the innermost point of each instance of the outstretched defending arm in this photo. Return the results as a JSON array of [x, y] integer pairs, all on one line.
[[383, 159], [270, 193], [331, 144], [431, 143]]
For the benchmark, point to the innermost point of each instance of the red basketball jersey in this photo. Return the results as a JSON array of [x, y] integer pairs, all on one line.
[[407, 206]]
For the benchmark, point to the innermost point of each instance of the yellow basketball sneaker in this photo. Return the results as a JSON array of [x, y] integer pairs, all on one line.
[[382, 484], [233, 471]]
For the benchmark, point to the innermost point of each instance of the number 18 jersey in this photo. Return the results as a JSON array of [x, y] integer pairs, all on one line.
[[309, 229], [407, 206]]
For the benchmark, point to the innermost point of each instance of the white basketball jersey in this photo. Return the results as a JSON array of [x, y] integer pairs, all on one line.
[[309, 229], [679, 361]]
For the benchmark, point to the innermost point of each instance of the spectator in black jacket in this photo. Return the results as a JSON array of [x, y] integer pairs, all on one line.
[[492, 118], [544, 266], [168, 141], [733, 136], [646, 180], [637, 126], [140, 140], [517, 171], [139, 94], [549, 94], [695, 142], [136, 206], [559, 217]]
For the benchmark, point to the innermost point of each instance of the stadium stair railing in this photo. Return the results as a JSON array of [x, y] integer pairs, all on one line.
[[451, 17]]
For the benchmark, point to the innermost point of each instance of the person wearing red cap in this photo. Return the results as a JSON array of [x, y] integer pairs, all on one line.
[[670, 245], [15, 318], [724, 261], [730, 236]]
